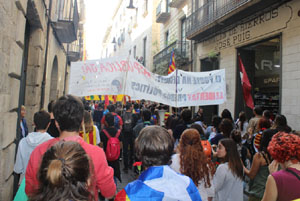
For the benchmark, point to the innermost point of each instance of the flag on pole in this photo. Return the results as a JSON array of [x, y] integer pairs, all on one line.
[[172, 66], [246, 85], [106, 102]]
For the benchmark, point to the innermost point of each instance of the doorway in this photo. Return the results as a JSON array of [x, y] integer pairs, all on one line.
[[262, 62]]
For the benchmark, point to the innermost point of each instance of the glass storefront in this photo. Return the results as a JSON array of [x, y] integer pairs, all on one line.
[[262, 62]]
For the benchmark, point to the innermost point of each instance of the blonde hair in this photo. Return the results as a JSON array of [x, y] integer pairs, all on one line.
[[88, 122]]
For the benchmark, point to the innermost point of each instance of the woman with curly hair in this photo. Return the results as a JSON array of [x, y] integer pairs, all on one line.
[[64, 174], [228, 180], [284, 185], [192, 161]]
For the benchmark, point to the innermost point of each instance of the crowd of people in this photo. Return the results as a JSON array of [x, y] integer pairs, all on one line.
[[77, 147]]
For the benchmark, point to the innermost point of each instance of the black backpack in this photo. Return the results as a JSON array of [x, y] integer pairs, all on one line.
[[127, 122]]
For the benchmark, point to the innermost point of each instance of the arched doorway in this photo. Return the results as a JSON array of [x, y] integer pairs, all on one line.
[[54, 78]]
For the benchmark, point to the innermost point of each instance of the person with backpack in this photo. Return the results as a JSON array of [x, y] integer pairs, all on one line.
[[111, 139], [128, 138], [118, 122], [146, 116]]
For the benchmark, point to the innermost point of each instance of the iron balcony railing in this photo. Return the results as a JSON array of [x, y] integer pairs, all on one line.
[[181, 49], [162, 11], [67, 21], [74, 51], [210, 12]]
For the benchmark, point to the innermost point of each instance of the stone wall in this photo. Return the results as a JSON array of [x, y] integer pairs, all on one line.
[[12, 34], [12, 22]]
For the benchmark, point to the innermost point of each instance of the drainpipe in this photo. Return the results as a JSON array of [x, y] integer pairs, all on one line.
[[66, 68], [46, 56]]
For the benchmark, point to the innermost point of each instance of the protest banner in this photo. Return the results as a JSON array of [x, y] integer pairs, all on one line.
[[123, 75]]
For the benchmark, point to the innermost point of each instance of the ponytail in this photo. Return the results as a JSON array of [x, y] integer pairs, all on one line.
[[54, 172]]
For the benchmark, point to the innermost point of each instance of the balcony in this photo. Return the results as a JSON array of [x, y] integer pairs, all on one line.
[[74, 52], [176, 3], [215, 15], [162, 59], [66, 25], [163, 11]]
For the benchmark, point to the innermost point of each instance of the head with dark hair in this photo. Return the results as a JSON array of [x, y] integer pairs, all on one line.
[[227, 151], [68, 112], [226, 114], [236, 136], [258, 110], [50, 106], [226, 127], [41, 120], [280, 123], [111, 108], [199, 129], [242, 119], [216, 121], [136, 106], [265, 140], [128, 106], [110, 119], [267, 114], [193, 161], [154, 146], [186, 115], [146, 114], [285, 147], [263, 123], [64, 173]]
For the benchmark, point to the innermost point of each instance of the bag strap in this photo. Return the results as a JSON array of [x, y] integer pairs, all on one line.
[[118, 133], [292, 172], [106, 133]]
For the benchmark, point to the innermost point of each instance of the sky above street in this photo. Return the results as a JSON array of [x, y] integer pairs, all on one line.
[[98, 16]]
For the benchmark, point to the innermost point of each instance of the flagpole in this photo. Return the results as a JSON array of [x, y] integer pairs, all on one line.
[[176, 90], [125, 82]]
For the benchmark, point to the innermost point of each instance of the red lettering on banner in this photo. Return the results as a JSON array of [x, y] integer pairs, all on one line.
[[119, 67], [102, 67], [211, 96], [109, 68], [94, 68], [124, 67], [83, 69], [137, 67]]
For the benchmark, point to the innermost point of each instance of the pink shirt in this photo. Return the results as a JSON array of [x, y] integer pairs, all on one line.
[[102, 175], [288, 185]]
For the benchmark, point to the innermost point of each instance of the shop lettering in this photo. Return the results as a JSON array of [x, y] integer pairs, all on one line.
[[241, 32]]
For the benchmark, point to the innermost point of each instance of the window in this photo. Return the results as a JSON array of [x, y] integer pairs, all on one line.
[[166, 38], [144, 51], [129, 52], [183, 41]]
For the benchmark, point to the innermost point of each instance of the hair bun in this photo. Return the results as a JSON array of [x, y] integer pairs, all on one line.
[[54, 172]]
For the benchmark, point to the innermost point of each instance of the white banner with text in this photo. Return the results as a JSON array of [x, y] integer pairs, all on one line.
[[121, 75]]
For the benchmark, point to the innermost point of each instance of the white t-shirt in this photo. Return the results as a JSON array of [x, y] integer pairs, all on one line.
[[228, 187]]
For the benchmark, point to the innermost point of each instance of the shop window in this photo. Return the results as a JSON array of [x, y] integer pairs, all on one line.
[[262, 63], [209, 64]]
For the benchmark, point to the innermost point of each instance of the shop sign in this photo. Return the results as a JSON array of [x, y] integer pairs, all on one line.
[[258, 25]]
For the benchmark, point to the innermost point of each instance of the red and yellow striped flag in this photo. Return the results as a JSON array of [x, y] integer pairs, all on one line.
[[172, 66]]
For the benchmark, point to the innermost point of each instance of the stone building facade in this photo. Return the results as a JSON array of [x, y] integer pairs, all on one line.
[[171, 15], [265, 35], [38, 39], [133, 31]]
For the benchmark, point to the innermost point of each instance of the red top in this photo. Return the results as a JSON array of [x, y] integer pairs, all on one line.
[[102, 175], [288, 185]]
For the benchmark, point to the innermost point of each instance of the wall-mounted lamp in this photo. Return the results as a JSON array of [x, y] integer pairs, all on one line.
[[131, 5]]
